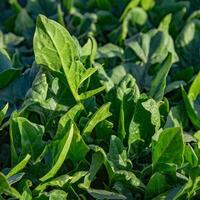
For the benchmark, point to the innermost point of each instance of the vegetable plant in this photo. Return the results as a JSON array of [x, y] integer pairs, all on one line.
[[99, 100]]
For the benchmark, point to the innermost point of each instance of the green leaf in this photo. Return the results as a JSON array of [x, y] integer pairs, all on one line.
[[177, 117], [107, 163], [8, 75], [109, 51], [152, 47], [197, 137], [59, 153], [56, 49], [187, 41], [104, 4], [6, 188], [145, 121], [87, 74], [38, 91], [50, 51], [10, 39], [190, 156], [78, 148], [61, 181], [190, 188], [192, 113], [7, 71], [46, 7], [101, 114], [132, 4], [60, 14], [20, 166], [103, 194], [26, 195], [137, 16], [14, 93], [117, 154], [31, 143], [5, 61], [53, 195], [194, 90], [184, 190], [104, 130], [169, 147], [129, 178], [158, 84], [72, 114], [89, 51], [156, 185], [14, 137], [24, 24], [91, 93], [68, 4], [128, 93], [3, 112], [97, 161], [147, 4], [104, 78], [164, 25], [15, 178]]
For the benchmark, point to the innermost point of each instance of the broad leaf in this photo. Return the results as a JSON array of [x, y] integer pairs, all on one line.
[[58, 150], [169, 147]]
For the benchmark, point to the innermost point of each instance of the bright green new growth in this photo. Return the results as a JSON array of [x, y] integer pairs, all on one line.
[[56, 49]]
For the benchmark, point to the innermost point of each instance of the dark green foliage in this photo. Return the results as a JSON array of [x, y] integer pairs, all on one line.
[[99, 99]]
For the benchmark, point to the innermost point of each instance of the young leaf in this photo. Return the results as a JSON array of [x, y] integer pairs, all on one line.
[[3, 112], [158, 85], [78, 148], [90, 93], [59, 153], [19, 166], [164, 25], [56, 49], [194, 90], [101, 114], [72, 114], [89, 51], [61, 181], [169, 148]]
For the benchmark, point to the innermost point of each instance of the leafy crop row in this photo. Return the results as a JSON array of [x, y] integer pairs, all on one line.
[[99, 99]]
